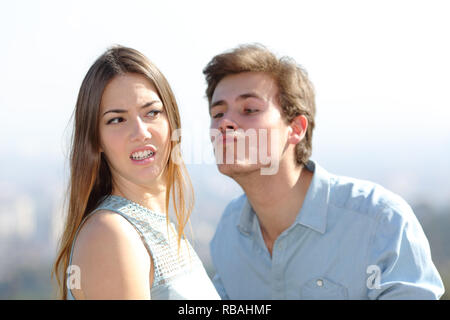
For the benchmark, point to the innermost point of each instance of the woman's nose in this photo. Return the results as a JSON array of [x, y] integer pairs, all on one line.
[[140, 131]]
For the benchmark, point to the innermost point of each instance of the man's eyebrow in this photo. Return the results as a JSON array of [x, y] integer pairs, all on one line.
[[217, 103], [240, 97], [248, 95], [148, 104]]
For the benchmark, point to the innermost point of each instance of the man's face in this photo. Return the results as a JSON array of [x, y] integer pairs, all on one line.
[[247, 121]]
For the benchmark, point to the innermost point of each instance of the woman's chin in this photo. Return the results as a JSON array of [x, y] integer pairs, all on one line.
[[146, 175]]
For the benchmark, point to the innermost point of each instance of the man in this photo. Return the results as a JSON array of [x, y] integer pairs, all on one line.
[[300, 232]]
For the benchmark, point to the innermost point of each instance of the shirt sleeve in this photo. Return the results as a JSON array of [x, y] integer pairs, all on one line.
[[400, 265], [219, 287]]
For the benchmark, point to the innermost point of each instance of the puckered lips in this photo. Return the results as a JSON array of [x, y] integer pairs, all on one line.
[[143, 155], [226, 138]]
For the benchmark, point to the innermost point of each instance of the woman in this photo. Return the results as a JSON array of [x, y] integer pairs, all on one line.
[[118, 242]]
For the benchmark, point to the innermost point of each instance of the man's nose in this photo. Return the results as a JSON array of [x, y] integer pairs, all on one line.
[[227, 124], [140, 131]]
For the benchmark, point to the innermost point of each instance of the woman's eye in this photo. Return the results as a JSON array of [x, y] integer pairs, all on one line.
[[115, 120], [154, 113]]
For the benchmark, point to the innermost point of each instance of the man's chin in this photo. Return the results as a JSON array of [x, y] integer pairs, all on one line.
[[233, 170]]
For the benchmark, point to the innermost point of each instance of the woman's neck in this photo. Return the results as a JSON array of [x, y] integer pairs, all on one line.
[[152, 197]]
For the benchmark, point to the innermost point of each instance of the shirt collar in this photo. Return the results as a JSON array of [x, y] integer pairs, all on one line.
[[313, 213], [247, 216]]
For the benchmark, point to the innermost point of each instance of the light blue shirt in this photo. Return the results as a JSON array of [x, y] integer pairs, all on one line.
[[352, 239]]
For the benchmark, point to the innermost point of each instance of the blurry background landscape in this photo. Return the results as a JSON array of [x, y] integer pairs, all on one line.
[[380, 70]]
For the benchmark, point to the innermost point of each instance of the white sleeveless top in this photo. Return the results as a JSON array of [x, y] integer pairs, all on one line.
[[176, 276]]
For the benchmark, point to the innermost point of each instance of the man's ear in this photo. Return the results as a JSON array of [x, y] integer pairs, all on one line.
[[298, 128]]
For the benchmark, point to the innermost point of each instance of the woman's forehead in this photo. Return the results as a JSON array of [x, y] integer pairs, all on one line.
[[128, 90]]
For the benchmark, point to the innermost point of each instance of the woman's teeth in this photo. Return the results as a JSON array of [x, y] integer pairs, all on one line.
[[141, 155]]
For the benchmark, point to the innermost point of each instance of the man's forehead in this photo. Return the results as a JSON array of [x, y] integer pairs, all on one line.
[[257, 83]]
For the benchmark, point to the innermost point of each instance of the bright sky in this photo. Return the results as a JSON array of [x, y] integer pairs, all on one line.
[[380, 69]]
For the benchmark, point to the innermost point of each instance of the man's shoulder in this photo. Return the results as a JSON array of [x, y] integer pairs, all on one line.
[[234, 207], [230, 217], [366, 197], [232, 211]]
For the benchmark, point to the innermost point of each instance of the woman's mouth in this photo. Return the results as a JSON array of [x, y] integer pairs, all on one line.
[[143, 155]]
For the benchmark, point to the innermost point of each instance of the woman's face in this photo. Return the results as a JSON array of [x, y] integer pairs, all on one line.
[[134, 131]]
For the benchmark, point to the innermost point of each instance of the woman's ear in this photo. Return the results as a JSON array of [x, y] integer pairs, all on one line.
[[298, 128]]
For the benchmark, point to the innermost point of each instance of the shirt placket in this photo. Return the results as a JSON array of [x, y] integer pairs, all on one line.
[[277, 277]]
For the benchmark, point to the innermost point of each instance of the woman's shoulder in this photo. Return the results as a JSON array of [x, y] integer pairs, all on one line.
[[111, 256], [106, 227]]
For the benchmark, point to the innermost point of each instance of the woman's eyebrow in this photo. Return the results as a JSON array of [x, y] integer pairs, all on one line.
[[148, 104]]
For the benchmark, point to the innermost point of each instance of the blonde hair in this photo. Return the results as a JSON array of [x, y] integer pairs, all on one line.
[[296, 92], [90, 176]]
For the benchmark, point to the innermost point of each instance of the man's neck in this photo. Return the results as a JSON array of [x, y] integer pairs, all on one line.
[[276, 199]]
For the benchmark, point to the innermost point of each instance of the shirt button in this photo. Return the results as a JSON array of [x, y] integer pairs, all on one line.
[[319, 282]]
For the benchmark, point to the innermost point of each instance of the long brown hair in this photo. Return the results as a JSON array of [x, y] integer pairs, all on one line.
[[90, 176]]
